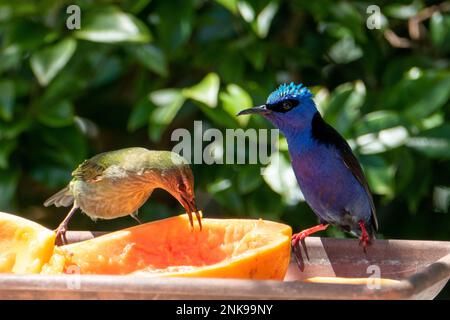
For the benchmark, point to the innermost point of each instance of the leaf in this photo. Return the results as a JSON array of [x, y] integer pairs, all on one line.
[[249, 179], [168, 103], [47, 62], [151, 57], [419, 93], [9, 180], [440, 30], [434, 143], [383, 140], [205, 91], [231, 5], [264, 19], [7, 96], [57, 114], [344, 105], [234, 100], [280, 176], [401, 11], [112, 26], [6, 148], [140, 115], [345, 50], [380, 175], [246, 10], [377, 121]]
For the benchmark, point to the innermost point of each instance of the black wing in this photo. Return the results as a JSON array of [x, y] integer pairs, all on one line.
[[327, 135]]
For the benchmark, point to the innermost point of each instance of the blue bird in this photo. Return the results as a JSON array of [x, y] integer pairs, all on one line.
[[327, 172]]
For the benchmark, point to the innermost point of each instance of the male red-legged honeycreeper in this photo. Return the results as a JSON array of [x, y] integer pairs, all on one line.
[[117, 183], [327, 172]]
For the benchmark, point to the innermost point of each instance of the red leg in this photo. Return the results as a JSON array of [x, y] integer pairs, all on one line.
[[307, 232], [364, 239]]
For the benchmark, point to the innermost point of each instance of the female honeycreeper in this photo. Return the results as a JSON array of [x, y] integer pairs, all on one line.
[[117, 183], [327, 172]]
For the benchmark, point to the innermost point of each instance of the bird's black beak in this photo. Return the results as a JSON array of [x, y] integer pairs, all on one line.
[[188, 202], [255, 110]]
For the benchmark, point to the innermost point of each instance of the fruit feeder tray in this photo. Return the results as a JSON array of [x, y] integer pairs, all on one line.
[[422, 269]]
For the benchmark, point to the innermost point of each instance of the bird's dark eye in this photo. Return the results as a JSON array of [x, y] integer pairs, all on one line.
[[286, 105]]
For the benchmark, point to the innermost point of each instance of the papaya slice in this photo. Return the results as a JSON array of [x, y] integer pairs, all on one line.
[[224, 248], [25, 246]]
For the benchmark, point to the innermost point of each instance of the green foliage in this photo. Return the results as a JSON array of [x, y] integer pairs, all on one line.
[[137, 70]]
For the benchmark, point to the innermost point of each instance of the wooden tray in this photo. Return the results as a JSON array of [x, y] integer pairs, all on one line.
[[423, 268]]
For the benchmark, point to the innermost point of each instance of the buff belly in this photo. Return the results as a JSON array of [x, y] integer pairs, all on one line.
[[109, 199]]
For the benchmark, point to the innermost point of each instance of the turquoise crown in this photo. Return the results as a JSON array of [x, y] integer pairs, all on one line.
[[291, 90]]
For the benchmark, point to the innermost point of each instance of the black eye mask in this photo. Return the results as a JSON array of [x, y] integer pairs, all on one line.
[[283, 106]]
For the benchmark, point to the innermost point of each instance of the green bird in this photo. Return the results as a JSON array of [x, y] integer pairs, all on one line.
[[117, 183]]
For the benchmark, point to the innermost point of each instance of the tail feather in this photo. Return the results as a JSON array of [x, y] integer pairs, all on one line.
[[62, 198]]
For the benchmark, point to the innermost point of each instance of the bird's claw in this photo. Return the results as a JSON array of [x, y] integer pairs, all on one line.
[[298, 237], [364, 240], [61, 238]]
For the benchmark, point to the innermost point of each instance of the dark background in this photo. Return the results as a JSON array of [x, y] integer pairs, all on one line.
[[137, 70]]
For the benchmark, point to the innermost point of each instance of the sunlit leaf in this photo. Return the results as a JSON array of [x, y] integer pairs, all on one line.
[[434, 143], [46, 63], [234, 100], [205, 91], [168, 103], [112, 26], [264, 19]]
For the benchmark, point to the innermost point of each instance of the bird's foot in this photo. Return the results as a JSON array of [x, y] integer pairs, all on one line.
[[364, 240], [61, 235], [298, 237]]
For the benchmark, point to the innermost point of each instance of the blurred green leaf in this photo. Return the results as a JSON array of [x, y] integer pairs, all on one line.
[[168, 103], [264, 19], [151, 57], [9, 180], [434, 143], [231, 5], [6, 99], [377, 121], [6, 148], [403, 11], [57, 114], [205, 91], [380, 175], [27, 35], [440, 30], [419, 93], [249, 179], [140, 115], [234, 100], [344, 105], [345, 51], [46, 63], [111, 26]]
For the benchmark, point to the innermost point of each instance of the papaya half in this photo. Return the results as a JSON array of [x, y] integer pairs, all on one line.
[[224, 248]]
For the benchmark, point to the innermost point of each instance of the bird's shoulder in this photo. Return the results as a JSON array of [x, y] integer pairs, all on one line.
[[325, 134], [93, 168]]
